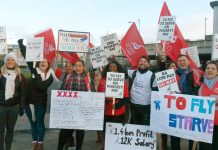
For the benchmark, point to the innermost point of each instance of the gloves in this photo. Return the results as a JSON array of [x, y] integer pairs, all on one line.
[[20, 41]]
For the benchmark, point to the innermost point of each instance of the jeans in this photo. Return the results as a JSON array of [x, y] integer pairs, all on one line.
[[37, 125], [8, 118]]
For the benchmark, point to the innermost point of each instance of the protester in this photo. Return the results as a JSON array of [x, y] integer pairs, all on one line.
[[12, 95], [36, 101], [121, 104], [172, 65], [210, 88], [188, 81], [143, 82], [76, 81]]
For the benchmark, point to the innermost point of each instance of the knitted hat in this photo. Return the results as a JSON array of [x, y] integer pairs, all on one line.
[[10, 55]]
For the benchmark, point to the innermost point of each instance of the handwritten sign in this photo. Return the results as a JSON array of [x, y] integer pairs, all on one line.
[[111, 45], [166, 81], [185, 116], [215, 47], [193, 53], [3, 40], [129, 137], [73, 41], [166, 28], [34, 49], [77, 110], [114, 85], [98, 57]]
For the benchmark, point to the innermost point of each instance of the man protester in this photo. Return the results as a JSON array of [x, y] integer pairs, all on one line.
[[189, 83], [140, 92]]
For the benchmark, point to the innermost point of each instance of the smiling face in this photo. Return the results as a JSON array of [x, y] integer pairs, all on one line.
[[172, 66], [113, 67], [143, 63], [183, 62], [68, 67], [79, 67], [43, 65], [211, 71], [10, 63]]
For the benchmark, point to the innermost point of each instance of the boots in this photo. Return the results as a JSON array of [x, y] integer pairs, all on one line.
[[34, 147], [40, 146]]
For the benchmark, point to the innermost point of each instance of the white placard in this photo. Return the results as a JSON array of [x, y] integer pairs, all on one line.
[[193, 53], [114, 85], [215, 47], [3, 40], [186, 116], [166, 28], [166, 81], [98, 57], [111, 45], [73, 41], [129, 137], [77, 110], [34, 49]]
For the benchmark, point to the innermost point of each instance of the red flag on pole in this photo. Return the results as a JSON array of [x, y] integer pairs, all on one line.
[[172, 48], [133, 46], [49, 44]]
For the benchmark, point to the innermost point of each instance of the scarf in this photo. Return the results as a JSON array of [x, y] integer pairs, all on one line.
[[142, 71], [210, 82], [10, 76], [47, 75], [183, 77]]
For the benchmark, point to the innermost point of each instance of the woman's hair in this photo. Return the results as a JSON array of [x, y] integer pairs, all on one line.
[[83, 63], [212, 62], [106, 69], [49, 66], [169, 63]]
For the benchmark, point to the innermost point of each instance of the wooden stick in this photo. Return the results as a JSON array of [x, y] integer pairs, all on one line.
[[164, 46], [113, 106], [194, 145]]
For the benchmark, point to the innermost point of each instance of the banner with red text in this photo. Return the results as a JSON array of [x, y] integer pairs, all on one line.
[[185, 116]]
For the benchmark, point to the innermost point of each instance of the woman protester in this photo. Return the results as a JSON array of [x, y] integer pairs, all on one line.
[[75, 81], [121, 104], [12, 95], [36, 101]]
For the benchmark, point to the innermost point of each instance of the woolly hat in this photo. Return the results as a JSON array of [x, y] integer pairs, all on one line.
[[10, 55]]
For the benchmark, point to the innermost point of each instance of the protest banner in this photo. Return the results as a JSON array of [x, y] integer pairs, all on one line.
[[3, 40], [214, 54], [34, 49], [111, 45], [98, 57], [129, 137], [186, 116], [193, 53], [166, 28], [73, 41], [77, 110], [166, 81], [114, 85]]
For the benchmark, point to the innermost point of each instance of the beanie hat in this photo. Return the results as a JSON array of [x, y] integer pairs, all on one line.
[[10, 55]]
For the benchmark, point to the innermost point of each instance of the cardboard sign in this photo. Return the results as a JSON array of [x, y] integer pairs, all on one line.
[[193, 53], [77, 110], [34, 49], [98, 57], [185, 116], [215, 47], [3, 41], [129, 137], [73, 41], [166, 81], [111, 45], [114, 85], [166, 28]]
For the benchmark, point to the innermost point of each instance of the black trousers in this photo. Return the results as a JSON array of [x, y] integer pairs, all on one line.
[[140, 114], [214, 145], [175, 143], [65, 133]]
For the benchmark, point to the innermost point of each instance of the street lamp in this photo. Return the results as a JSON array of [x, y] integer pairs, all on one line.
[[205, 29], [138, 21]]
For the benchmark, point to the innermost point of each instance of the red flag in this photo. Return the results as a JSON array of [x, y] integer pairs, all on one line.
[[49, 44], [133, 46], [172, 48]]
